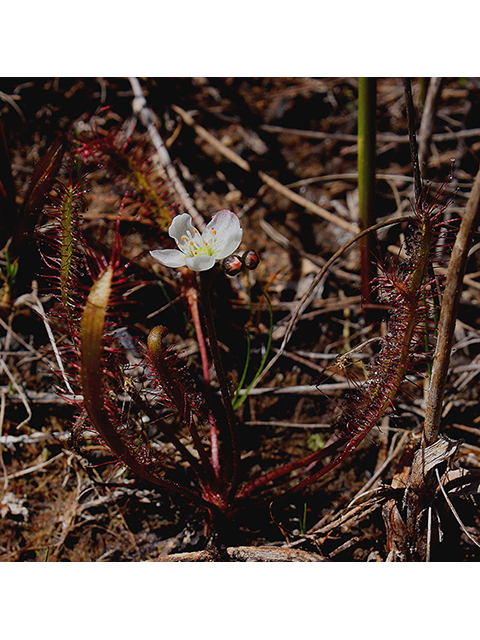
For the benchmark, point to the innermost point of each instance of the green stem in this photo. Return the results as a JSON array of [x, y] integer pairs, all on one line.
[[423, 84], [237, 399], [417, 177], [367, 88]]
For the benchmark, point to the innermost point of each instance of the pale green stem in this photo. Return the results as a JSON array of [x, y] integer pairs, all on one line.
[[367, 88]]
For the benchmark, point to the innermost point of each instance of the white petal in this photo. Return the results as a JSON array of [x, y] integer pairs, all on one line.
[[200, 263], [180, 226], [228, 233], [169, 257]]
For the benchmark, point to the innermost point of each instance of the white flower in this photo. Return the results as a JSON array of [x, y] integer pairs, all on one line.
[[200, 251]]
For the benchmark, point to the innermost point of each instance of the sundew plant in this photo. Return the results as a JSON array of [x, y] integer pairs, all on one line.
[[177, 422]]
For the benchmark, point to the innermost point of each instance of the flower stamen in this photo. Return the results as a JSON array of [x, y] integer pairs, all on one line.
[[200, 251]]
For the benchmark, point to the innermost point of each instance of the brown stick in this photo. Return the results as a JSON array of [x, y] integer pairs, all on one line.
[[428, 119], [448, 313], [268, 180]]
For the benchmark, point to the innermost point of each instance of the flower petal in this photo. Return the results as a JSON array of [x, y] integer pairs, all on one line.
[[200, 263], [180, 226], [228, 233], [169, 257]]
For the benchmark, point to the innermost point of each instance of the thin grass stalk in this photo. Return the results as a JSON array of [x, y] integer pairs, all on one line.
[[423, 86], [367, 103], [237, 399]]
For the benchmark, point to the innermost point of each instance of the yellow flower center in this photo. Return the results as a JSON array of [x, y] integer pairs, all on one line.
[[195, 245]]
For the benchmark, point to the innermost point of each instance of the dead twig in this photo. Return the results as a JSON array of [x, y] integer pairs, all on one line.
[[20, 392], [34, 302], [208, 137], [351, 227], [381, 136], [457, 517], [36, 467], [448, 314], [268, 180], [2, 461], [141, 110], [428, 119]]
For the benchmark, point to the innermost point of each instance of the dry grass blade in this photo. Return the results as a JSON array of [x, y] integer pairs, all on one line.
[[20, 392], [351, 227], [35, 467], [268, 180], [316, 280], [457, 517]]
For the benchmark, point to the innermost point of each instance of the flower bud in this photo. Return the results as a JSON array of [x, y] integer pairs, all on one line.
[[250, 259], [232, 265]]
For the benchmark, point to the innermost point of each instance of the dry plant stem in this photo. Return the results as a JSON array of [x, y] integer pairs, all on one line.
[[417, 178], [449, 502], [192, 300], [308, 204], [381, 136], [36, 467], [206, 278], [141, 109], [448, 313], [428, 119], [38, 308], [20, 391], [208, 137], [2, 462]]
